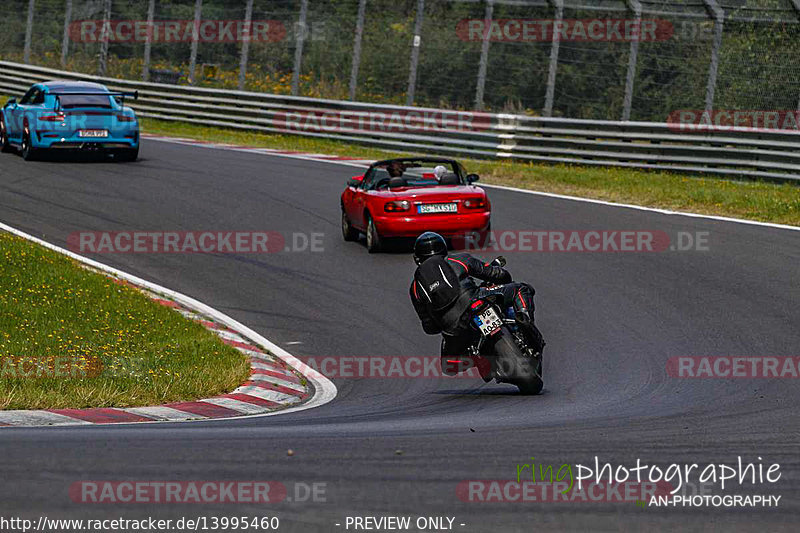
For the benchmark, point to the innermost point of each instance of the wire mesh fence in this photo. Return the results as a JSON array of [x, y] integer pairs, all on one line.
[[602, 59]]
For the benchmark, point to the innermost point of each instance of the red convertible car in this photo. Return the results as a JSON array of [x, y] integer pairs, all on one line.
[[408, 196]]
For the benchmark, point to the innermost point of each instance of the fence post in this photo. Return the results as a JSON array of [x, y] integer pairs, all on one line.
[[412, 74], [719, 20], [102, 61], [484, 61], [796, 6], [28, 32], [248, 20], [148, 41], [633, 58], [65, 40], [300, 37], [198, 13], [551, 72], [362, 8]]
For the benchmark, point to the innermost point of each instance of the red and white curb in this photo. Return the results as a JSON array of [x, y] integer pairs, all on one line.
[[364, 163], [278, 382]]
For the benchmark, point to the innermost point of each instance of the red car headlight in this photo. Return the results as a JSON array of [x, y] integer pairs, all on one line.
[[475, 203], [397, 206]]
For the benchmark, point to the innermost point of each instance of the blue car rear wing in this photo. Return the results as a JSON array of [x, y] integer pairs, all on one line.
[[121, 94]]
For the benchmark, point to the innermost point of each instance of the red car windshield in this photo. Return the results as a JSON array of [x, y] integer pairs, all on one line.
[[418, 175]]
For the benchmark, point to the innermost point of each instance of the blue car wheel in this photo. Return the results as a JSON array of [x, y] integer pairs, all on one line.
[[5, 146], [29, 153]]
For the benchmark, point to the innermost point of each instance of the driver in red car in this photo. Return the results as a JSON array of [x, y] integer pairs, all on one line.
[[443, 290], [395, 169]]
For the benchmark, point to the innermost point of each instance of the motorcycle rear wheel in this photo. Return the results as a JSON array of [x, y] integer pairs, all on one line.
[[521, 370]]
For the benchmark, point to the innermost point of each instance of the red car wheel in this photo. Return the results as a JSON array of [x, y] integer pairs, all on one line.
[[349, 233], [373, 239]]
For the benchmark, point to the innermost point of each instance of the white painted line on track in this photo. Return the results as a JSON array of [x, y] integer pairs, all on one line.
[[365, 163]]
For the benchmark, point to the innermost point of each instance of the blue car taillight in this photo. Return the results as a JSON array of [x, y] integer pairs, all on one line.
[[56, 117]]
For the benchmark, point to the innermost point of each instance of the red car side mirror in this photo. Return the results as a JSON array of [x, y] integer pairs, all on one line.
[[355, 181]]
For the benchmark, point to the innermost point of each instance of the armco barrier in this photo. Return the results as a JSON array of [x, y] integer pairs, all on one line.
[[733, 152]]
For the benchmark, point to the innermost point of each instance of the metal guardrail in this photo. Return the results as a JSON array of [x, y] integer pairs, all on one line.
[[733, 152]]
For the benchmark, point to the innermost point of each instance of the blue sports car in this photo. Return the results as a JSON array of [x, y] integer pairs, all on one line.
[[70, 115]]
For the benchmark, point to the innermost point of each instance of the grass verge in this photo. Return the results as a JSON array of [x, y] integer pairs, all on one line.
[[754, 200], [73, 338]]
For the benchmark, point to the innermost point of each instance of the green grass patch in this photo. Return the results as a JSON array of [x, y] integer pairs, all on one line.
[[73, 338], [755, 200]]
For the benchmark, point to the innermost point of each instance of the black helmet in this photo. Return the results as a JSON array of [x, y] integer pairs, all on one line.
[[427, 245]]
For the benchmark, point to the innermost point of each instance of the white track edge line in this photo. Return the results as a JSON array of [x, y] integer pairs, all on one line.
[[324, 389]]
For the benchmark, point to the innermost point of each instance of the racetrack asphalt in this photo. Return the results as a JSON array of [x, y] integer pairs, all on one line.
[[402, 446]]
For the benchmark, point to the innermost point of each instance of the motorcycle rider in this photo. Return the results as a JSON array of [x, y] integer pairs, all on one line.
[[443, 289]]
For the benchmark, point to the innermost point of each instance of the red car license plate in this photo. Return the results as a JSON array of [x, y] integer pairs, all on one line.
[[437, 208]]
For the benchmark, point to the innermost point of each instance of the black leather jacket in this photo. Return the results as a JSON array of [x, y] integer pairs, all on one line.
[[467, 267]]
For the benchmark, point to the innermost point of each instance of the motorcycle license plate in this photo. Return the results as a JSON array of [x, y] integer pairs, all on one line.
[[488, 322]]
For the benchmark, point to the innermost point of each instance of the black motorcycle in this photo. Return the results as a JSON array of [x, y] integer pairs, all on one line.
[[501, 351]]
